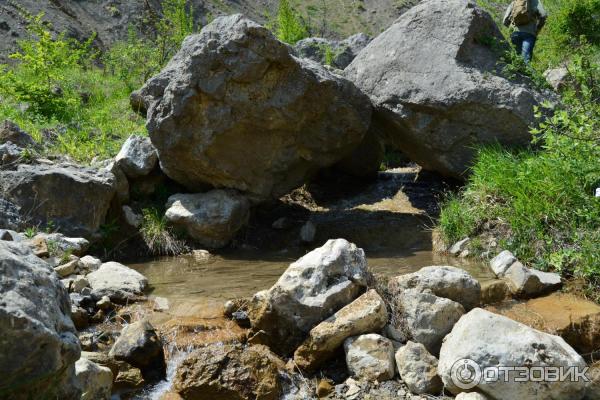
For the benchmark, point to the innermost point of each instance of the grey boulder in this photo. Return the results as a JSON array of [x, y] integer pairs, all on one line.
[[95, 380], [212, 218], [444, 281], [10, 132], [73, 199], [117, 281], [234, 109], [370, 357], [418, 369], [491, 340], [437, 91], [39, 345]]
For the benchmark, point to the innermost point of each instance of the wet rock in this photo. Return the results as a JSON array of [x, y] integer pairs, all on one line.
[[423, 318], [491, 340], [95, 380], [140, 346], [89, 264], [104, 303], [418, 369], [309, 291], [444, 281], [38, 193], [117, 281], [10, 132], [502, 262], [366, 314], [212, 219], [129, 377], [437, 102], [458, 247], [494, 292], [137, 157], [525, 282], [39, 345], [309, 118], [229, 372], [370, 357], [324, 388]]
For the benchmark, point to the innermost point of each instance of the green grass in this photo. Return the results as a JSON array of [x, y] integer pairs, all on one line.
[[95, 128]]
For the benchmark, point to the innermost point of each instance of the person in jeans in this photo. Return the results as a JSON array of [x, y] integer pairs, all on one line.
[[525, 35]]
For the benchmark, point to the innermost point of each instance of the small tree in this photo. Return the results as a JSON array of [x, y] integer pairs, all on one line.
[[290, 27]]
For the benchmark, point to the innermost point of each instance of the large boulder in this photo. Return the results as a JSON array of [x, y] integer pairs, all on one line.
[[212, 219], [235, 109], [118, 282], [443, 281], [485, 340], [367, 314], [38, 345], [309, 291], [140, 346], [229, 372], [437, 88], [74, 200]]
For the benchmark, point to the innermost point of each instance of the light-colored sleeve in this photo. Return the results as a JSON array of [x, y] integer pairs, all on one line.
[[541, 10], [506, 20]]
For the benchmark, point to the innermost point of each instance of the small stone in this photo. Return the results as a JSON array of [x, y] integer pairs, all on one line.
[[502, 262], [39, 247], [241, 318], [86, 291], [89, 264], [104, 303], [370, 357], [418, 369], [526, 282], [470, 396], [67, 269], [161, 304], [324, 388], [458, 247], [201, 255], [308, 232], [79, 317], [79, 283]]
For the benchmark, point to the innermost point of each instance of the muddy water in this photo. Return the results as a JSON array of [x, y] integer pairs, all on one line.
[[200, 288]]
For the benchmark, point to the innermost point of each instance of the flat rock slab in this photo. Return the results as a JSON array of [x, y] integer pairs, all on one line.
[[117, 281]]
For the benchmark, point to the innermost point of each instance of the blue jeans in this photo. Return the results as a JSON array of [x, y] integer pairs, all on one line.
[[524, 43]]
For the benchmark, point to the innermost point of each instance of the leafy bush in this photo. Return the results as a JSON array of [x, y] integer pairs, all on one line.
[[289, 26], [173, 26], [575, 19], [41, 78]]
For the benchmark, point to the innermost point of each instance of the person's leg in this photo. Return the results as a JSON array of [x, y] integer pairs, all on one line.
[[517, 41], [528, 43]]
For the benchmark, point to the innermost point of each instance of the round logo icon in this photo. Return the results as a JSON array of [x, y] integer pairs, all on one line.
[[466, 374]]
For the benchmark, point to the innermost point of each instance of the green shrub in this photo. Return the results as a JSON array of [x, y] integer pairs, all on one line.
[[289, 26], [158, 236], [41, 78]]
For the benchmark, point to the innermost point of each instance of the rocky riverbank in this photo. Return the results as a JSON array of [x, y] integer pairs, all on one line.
[[244, 133]]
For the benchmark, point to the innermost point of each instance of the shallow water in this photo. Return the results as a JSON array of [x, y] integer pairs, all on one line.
[[200, 288]]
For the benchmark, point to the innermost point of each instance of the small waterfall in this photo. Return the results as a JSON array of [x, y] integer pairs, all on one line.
[[174, 356]]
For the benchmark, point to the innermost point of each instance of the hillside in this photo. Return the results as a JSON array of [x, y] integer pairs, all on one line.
[[110, 19]]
